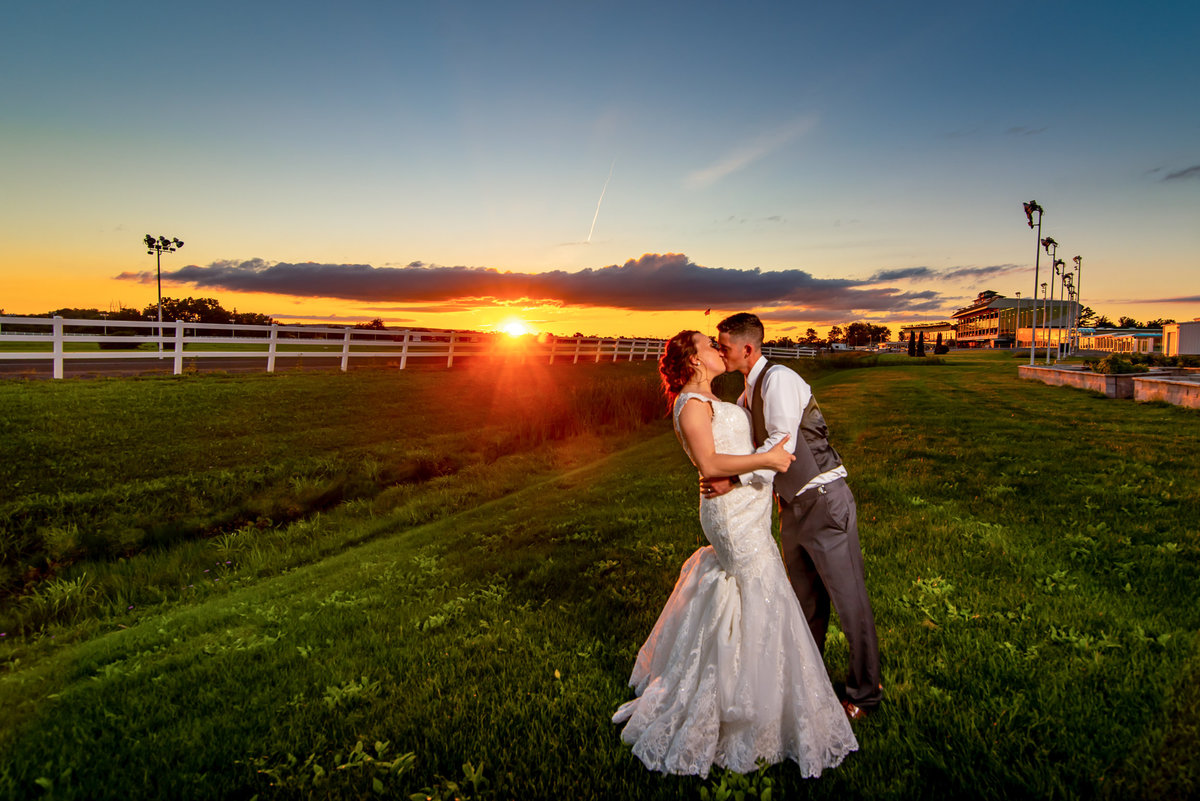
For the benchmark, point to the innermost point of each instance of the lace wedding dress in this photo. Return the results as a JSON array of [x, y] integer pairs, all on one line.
[[731, 674]]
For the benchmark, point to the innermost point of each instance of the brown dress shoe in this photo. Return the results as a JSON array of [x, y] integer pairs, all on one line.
[[853, 711]]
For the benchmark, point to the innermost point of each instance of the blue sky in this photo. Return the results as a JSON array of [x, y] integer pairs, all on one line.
[[830, 145]]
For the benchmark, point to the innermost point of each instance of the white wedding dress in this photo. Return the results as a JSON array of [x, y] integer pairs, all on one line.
[[731, 674]]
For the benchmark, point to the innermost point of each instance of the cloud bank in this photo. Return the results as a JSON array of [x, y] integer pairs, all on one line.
[[653, 282]]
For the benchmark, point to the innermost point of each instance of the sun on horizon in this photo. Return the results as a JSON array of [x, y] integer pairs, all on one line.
[[515, 328]]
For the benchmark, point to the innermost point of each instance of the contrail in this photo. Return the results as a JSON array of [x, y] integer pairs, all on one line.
[[601, 200]]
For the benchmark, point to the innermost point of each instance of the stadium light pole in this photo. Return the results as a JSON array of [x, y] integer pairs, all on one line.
[[1017, 324], [1032, 208], [1069, 297], [1055, 322], [157, 246], [1051, 247], [1078, 288], [1044, 313]]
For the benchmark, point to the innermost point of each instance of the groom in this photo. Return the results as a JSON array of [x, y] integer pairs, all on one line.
[[817, 510]]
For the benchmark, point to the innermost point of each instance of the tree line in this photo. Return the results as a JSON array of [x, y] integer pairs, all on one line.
[[854, 335]]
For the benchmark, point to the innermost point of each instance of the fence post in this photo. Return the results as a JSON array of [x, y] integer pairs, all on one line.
[[450, 355], [345, 349], [404, 349], [271, 343], [177, 367], [58, 346], [553, 345], [578, 345]]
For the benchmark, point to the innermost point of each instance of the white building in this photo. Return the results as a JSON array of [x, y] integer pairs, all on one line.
[[1181, 338]]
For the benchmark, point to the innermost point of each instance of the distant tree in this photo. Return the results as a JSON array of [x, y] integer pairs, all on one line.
[[1128, 322], [75, 314], [880, 333], [782, 342], [1159, 322], [374, 325], [1087, 317], [249, 318], [939, 348], [836, 334], [188, 310], [1103, 322], [921, 344], [811, 337], [912, 343], [857, 334], [125, 313]]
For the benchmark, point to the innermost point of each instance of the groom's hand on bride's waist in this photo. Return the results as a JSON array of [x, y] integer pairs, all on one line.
[[712, 487]]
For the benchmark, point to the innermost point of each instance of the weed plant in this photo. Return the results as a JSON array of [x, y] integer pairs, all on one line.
[[1031, 555]]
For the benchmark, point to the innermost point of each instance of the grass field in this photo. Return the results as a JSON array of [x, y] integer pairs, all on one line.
[[333, 586]]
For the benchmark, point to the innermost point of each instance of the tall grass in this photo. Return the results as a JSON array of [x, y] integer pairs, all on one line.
[[112, 471], [1031, 555]]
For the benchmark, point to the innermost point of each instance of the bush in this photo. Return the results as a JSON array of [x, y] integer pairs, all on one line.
[[1116, 364]]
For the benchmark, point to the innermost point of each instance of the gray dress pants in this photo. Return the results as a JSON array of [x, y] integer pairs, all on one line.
[[824, 563]]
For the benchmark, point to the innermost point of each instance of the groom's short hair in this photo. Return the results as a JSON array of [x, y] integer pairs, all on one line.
[[744, 326]]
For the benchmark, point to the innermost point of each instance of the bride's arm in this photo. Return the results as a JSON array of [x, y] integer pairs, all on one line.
[[695, 426]]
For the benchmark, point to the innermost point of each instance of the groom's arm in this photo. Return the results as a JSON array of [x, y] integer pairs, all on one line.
[[785, 395]]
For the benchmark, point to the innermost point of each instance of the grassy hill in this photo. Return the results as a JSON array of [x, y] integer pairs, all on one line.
[[321, 616]]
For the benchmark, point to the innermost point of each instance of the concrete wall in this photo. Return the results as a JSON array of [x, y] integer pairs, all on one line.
[[1180, 386], [1177, 391], [1114, 386]]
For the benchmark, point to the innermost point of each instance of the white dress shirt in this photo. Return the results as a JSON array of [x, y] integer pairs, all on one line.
[[785, 396]]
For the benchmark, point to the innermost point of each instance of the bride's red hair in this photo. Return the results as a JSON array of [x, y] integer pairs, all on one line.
[[675, 365]]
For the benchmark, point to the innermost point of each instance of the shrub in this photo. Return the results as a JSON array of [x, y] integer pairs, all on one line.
[[1116, 364]]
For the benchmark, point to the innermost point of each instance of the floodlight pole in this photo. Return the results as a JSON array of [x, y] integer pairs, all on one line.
[[1032, 208], [1044, 315], [1078, 290], [157, 246], [1052, 248], [1068, 282], [1053, 320], [1017, 324]]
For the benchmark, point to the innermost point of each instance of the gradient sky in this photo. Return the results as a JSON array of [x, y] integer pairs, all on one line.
[[610, 168]]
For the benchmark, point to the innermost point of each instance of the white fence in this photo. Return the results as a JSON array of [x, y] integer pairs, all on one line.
[[793, 352], [138, 340]]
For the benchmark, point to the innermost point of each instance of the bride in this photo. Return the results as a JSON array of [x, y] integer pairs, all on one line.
[[730, 673]]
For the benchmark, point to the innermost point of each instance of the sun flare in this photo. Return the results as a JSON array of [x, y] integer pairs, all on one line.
[[515, 328]]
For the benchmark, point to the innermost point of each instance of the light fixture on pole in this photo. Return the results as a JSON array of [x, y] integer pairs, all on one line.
[[1068, 282], [1032, 208], [157, 246], [1017, 324], [1051, 247], [1060, 272], [1039, 328], [1078, 287]]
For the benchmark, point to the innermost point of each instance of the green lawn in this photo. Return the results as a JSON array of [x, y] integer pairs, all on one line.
[[1032, 555]]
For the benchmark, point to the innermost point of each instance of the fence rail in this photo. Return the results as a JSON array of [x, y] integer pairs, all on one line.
[[71, 339]]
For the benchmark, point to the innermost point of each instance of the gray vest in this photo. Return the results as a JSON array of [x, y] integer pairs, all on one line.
[[814, 454]]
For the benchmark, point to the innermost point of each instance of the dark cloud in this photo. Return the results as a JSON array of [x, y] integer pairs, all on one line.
[[953, 274], [1185, 299], [1188, 172], [903, 273], [979, 273], [1021, 130], [650, 283]]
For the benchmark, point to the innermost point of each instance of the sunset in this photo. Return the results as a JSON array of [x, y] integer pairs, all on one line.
[[590, 401], [614, 172]]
